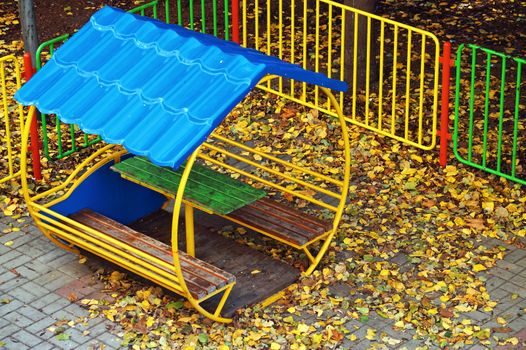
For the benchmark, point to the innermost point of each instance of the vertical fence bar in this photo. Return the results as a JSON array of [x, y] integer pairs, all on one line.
[[472, 102], [355, 65], [214, 16], [408, 84], [293, 40], [422, 87], [203, 16], [35, 147], [342, 56], [516, 121], [235, 21], [280, 40], [367, 70], [179, 13], [227, 25], [381, 77], [395, 62], [317, 50], [245, 26], [501, 112], [486, 110], [329, 50], [444, 113]]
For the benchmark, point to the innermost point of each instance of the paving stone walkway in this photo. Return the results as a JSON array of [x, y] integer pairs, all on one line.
[[38, 280]]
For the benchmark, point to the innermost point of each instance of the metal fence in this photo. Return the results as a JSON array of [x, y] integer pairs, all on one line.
[[59, 140], [11, 117], [398, 96], [490, 112]]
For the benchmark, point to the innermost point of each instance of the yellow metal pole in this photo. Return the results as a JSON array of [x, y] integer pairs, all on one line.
[[381, 76], [189, 226], [408, 85], [395, 62]]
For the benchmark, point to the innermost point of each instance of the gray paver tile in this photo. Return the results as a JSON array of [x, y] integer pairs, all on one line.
[[24, 296], [515, 255], [10, 255], [493, 283], [74, 269], [16, 262], [518, 324], [63, 315], [58, 304], [53, 280], [45, 300], [8, 330], [13, 344], [110, 340], [31, 313], [26, 338], [63, 344], [514, 289], [14, 283], [34, 289], [18, 319], [502, 273], [11, 306], [39, 327], [521, 262], [45, 346], [7, 276]]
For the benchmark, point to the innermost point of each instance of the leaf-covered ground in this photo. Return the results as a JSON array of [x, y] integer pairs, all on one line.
[[409, 249]]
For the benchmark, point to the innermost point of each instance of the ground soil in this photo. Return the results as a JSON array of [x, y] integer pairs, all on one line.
[[497, 24]]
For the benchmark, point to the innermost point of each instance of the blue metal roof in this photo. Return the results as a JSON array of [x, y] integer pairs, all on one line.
[[157, 89]]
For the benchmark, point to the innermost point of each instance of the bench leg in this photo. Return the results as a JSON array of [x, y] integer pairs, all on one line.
[[189, 226], [222, 302]]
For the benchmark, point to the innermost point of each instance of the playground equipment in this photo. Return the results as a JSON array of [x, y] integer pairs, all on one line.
[[160, 91]]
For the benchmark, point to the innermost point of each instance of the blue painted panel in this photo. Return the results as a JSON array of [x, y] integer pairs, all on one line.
[[158, 89], [107, 193]]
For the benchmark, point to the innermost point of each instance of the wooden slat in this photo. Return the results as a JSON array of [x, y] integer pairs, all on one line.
[[216, 192], [201, 278], [280, 221]]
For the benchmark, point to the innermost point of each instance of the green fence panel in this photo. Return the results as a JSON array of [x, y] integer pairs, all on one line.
[[73, 139], [489, 133], [186, 12], [211, 17]]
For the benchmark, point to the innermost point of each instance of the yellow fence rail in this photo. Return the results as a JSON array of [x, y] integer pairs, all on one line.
[[392, 68], [11, 117]]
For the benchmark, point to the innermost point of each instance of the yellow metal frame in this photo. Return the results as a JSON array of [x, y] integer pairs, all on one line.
[[70, 234], [11, 154], [343, 185], [265, 38]]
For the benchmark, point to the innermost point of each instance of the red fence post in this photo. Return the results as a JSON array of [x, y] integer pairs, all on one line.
[[35, 144], [235, 21], [443, 133]]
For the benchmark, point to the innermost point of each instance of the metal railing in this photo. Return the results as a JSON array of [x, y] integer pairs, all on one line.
[[489, 112], [11, 117], [59, 140], [398, 93], [211, 17]]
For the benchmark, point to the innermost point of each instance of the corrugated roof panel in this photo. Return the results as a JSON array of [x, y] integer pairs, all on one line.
[[157, 89]]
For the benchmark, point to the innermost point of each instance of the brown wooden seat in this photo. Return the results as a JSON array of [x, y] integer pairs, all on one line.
[[202, 278], [276, 220]]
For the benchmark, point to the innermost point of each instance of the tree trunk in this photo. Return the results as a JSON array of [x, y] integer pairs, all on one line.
[[361, 76], [29, 28]]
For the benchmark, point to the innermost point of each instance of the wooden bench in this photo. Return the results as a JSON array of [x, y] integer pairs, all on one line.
[[218, 193], [284, 223], [202, 279]]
